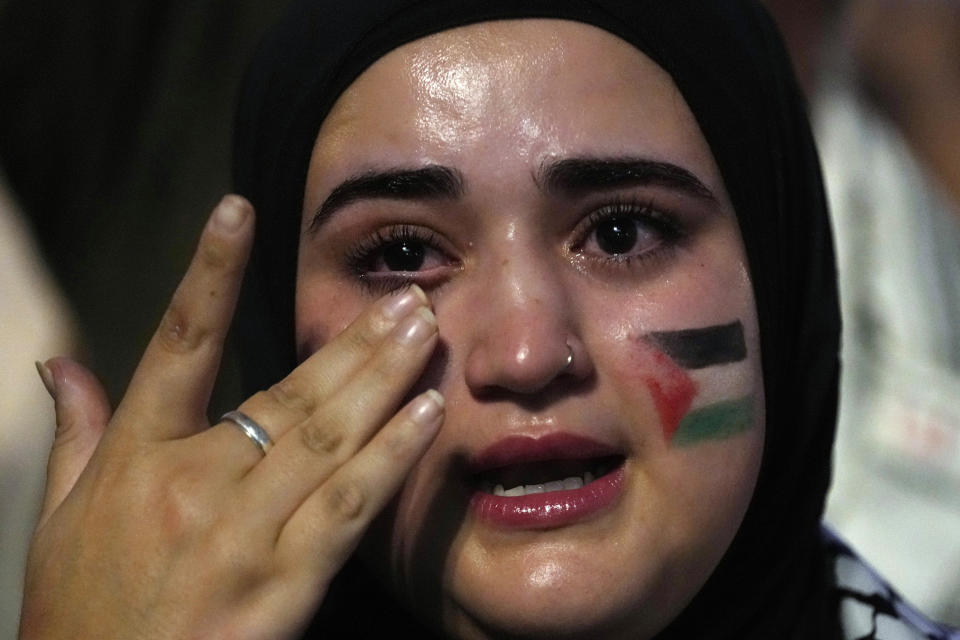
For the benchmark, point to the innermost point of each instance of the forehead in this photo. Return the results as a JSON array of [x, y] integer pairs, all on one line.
[[511, 93]]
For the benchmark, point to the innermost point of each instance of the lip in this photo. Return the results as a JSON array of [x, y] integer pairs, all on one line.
[[545, 510], [552, 446]]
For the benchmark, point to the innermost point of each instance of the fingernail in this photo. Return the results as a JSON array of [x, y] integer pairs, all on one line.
[[399, 305], [427, 407], [418, 327], [230, 213], [46, 376]]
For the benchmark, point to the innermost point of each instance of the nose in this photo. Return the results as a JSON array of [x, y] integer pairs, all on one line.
[[524, 337]]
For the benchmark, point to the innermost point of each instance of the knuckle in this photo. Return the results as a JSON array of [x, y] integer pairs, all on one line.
[[321, 439], [70, 430], [398, 446], [235, 554], [149, 488], [290, 394], [359, 339], [388, 363], [181, 514], [345, 500], [378, 325], [110, 478], [216, 254], [177, 333]]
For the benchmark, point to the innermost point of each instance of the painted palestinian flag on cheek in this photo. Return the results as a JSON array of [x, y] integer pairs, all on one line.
[[700, 381]]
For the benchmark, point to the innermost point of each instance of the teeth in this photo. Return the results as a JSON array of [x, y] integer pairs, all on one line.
[[567, 484]]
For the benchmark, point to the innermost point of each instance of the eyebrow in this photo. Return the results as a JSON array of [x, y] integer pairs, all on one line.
[[430, 182], [577, 176], [570, 176]]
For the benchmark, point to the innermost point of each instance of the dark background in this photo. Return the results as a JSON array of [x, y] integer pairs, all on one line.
[[115, 137]]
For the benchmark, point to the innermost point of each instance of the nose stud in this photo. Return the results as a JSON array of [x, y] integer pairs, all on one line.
[[569, 360]]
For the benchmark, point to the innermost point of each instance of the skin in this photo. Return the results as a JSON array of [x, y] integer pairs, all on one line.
[[156, 524], [512, 284]]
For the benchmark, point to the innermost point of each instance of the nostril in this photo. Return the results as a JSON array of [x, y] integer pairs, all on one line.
[[523, 369]]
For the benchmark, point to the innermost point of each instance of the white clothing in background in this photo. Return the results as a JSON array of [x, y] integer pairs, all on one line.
[[896, 492], [34, 325]]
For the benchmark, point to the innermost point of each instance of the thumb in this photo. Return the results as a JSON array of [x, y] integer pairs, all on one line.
[[82, 411]]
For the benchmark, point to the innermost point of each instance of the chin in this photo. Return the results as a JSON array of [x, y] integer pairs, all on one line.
[[564, 606], [576, 583], [623, 572]]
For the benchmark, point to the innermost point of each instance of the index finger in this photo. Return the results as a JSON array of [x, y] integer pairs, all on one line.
[[168, 394]]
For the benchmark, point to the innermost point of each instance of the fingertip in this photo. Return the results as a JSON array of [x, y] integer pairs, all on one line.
[[437, 397], [46, 376], [427, 409], [419, 293], [63, 369], [78, 392], [231, 213]]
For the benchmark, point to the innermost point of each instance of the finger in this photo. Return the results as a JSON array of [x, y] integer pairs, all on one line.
[[309, 453], [82, 412], [171, 387], [324, 531], [297, 396]]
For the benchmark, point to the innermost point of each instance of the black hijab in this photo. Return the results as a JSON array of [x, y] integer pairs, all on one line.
[[729, 64]]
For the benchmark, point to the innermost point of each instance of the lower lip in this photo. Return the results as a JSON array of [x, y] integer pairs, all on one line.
[[548, 510]]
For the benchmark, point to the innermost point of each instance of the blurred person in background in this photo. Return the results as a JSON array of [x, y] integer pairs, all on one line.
[[35, 322], [883, 79], [115, 122]]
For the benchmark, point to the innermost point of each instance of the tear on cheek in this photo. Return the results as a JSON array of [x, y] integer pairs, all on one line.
[[670, 387]]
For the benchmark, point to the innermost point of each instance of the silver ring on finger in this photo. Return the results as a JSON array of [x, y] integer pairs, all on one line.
[[249, 427]]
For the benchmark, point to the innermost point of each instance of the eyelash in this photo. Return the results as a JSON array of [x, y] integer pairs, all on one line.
[[667, 225], [361, 258]]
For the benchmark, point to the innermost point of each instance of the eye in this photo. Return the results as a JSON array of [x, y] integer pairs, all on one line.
[[617, 235], [622, 231], [394, 256], [403, 255]]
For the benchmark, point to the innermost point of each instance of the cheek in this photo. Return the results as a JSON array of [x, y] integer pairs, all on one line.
[[710, 487], [685, 358], [322, 312], [699, 381], [669, 386]]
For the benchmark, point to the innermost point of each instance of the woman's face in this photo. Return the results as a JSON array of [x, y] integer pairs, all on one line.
[[547, 185]]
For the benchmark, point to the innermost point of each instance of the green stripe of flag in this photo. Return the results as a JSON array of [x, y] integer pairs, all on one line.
[[715, 421]]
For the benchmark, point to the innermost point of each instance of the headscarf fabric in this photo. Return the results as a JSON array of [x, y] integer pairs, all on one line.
[[729, 64]]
